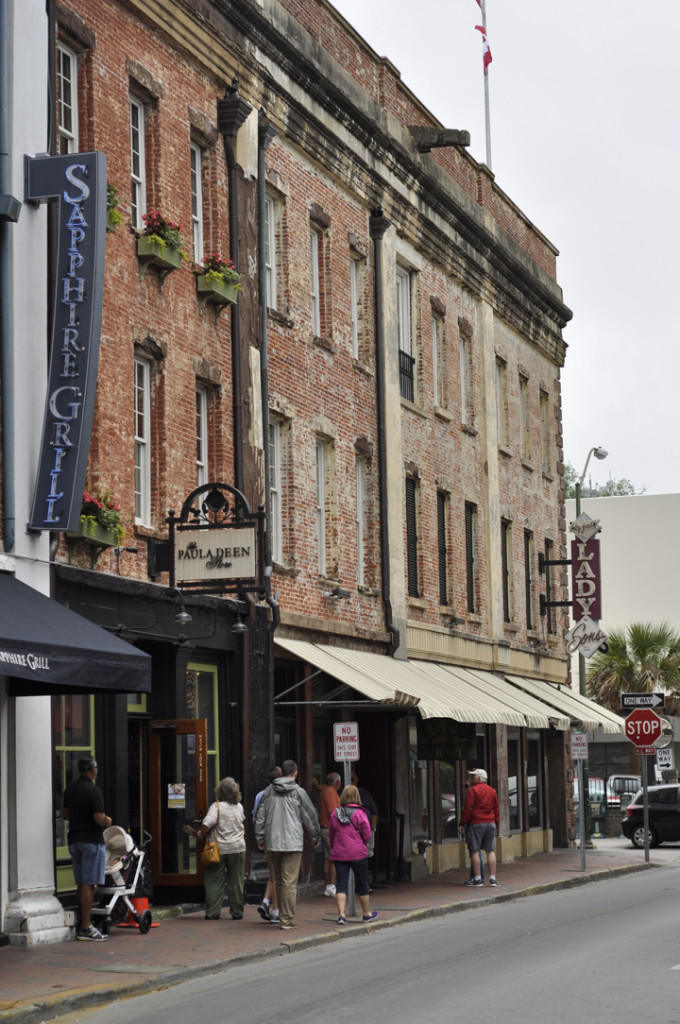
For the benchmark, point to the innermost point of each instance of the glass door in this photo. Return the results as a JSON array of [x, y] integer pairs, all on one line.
[[178, 788]]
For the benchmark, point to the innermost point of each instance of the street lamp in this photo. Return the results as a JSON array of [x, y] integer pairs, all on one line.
[[599, 453]]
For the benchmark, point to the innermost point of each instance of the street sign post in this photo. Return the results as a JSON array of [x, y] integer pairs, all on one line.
[[643, 700], [643, 727]]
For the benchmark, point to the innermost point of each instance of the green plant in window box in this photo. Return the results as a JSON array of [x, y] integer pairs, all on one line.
[[113, 215], [99, 515], [220, 282]]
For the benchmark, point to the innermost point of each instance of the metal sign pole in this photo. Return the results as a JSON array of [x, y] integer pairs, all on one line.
[[351, 905], [645, 805], [581, 815]]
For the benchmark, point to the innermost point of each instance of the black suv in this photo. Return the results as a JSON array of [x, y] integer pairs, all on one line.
[[664, 816]]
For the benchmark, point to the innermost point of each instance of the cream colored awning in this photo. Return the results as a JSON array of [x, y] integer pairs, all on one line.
[[585, 713], [437, 691]]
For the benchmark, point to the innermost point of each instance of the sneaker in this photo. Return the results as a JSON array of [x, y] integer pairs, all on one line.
[[492, 880], [91, 934], [287, 927], [370, 917], [264, 912], [342, 920], [478, 881], [275, 919], [469, 881], [329, 890]]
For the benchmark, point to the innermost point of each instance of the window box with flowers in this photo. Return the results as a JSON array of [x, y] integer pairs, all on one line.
[[100, 521], [219, 283], [159, 245], [114, 217]]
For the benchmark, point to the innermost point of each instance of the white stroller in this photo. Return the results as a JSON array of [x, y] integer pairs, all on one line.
[[126, 875]]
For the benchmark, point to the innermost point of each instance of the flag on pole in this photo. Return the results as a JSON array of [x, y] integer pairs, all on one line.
[[486, 50]]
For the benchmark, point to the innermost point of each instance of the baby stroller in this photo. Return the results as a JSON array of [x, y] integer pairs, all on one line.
[[127, 878]]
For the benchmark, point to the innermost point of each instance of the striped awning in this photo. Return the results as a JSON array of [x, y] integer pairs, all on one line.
[[585, 714]]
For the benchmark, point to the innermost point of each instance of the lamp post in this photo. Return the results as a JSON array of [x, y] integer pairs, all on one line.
[[599, 453]]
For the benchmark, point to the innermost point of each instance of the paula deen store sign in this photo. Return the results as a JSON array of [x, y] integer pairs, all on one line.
[[78, 182]]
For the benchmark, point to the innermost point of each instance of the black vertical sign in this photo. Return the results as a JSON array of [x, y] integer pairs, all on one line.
[[78, 182]]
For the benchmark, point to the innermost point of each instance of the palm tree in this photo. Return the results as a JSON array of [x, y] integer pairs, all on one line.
[[643, 658]]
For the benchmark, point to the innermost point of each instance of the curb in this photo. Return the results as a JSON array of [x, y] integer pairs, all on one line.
[[58, 1006]]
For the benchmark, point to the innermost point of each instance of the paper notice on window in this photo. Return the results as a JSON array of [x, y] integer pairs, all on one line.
[[176, 795]]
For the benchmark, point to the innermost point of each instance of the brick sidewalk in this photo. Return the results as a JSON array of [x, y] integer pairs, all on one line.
[[41, 983]]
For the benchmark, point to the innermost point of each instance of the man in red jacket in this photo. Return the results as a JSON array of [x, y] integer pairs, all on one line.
[[479, 821]]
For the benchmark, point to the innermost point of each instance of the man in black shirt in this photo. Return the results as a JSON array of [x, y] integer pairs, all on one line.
[[84, 810]]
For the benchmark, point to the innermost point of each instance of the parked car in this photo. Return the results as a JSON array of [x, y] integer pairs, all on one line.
[[664, 816], [619, 785]]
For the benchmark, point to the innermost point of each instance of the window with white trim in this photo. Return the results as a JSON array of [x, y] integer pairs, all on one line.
[[524, 417], [142, 442], [502, 400], [275, 495], [546, 447], [270, 250], [321, 469], [67, 100], [438, 362], [466, 389], [361, 513], [315, 246], [197, 201], [137, 162], [202, 472], [404, 328]]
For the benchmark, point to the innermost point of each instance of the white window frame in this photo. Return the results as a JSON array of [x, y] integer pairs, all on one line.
[[524, 416], [314, 241], [202, 470], [142, 400], [465, 381], [438, 362], [404, 310], [502, 400], [360, 472], [544, 403], [67, 72], [196, 159], [321, 504], [137, 162], [354, 303], [275, 495], [270, 250]]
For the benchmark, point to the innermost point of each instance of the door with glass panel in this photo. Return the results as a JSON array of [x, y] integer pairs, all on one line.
[[178, 795]]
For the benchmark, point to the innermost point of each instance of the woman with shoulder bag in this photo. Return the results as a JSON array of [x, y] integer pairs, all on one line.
[[225, 820], [349, 833]]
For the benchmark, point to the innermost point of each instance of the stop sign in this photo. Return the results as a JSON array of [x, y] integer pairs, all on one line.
[[643, 727]]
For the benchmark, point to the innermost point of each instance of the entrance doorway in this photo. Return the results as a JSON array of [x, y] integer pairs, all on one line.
[[178, 788]]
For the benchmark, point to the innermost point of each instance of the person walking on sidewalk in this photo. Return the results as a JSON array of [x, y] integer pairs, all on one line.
[[328, 802], [479, 823], [269, 908], [284, 812], [349, 835], [226, 817], [84, 810]]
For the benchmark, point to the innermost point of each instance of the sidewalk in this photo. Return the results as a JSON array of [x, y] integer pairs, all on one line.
[[39, 984]]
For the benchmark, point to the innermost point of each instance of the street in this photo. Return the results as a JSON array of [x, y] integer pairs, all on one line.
[[610, 950]]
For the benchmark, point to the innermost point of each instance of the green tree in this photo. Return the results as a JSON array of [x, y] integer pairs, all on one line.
[[612, 487], [643, 658]]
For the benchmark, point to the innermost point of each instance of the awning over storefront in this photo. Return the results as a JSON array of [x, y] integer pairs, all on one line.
[[584, 713], [437, 691], [48, 649]]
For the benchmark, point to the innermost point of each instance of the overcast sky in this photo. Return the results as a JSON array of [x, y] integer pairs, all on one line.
[[584, 138]]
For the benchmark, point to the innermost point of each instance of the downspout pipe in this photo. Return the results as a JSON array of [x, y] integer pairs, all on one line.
[[266, 132], [232, 112], [9, 213], [378, 225]]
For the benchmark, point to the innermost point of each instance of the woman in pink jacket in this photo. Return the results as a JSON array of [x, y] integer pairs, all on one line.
[[349, 832]]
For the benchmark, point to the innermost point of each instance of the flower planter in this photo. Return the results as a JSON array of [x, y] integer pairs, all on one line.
[[95, 534], [220, 293], [113, 219], [151, 252]]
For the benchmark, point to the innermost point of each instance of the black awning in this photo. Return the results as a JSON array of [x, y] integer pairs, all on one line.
[[56, 651]]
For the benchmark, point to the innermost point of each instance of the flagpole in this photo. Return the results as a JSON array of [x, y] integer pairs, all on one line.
[[487, 116]]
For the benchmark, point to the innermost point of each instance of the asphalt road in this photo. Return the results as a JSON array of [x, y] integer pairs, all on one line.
[[609, 950]]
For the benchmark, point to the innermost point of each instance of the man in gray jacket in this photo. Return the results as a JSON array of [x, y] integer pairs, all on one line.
[[281, 814]]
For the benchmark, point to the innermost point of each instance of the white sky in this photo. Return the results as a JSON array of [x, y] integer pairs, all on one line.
[[584, 137]]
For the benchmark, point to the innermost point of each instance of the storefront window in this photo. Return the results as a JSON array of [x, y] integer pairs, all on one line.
[[534, 781], [514, 783], [417, 785], [202, 696], [450, 805], [73, 730]]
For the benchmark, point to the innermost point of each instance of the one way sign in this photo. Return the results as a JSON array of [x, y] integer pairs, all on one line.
[[643, 700]]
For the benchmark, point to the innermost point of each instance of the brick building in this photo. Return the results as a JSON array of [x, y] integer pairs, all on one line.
[[386, 388]]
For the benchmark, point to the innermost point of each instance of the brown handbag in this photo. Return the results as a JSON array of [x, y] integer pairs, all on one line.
[[210, 855]]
